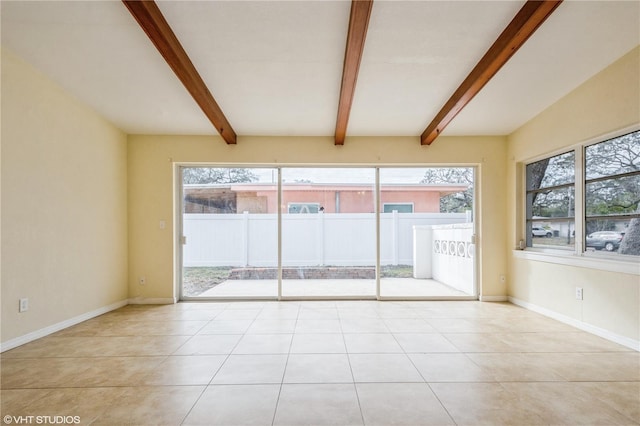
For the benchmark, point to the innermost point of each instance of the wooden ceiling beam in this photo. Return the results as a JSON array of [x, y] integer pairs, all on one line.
[[358, 24], [523, 25], [153, 23]]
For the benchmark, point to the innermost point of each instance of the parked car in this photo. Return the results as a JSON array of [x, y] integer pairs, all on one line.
[[541, 232], [607, 240]]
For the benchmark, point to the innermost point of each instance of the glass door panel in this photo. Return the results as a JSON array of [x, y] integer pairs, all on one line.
[[328, 232], [426, 229], [230, 225]]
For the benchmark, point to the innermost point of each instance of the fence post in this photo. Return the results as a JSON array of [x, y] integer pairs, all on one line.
[[320, 237], [245, 237], [423, 252], [395, 237]]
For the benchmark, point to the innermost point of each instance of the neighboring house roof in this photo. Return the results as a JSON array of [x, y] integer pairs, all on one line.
[[243, 187]]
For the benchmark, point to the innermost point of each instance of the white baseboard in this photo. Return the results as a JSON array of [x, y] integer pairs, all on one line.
[[493, 298], [605, 334], [29, 337], [152, 301]]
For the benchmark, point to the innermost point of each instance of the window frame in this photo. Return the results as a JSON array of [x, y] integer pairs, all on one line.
[[579, 255]]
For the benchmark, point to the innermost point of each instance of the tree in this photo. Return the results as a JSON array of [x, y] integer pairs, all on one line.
[[458, 202], [547, 174], [630, 244], [620, 194], [209, 175], [535, 175]]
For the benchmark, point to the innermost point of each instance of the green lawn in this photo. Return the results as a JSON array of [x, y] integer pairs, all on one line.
[[397, 271], [196, 280]]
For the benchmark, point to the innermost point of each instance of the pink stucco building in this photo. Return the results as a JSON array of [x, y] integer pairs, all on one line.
[[311, 198]]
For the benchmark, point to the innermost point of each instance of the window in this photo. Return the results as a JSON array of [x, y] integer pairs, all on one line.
[[551, 202], [612, 193], [398, 207], [304, 208], [607, 202]]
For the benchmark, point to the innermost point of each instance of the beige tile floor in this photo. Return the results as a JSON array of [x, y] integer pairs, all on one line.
[[323, 363]]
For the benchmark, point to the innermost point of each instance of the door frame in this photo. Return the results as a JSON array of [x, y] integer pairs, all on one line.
[[179, 239]]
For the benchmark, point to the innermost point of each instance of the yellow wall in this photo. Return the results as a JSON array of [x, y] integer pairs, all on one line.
[[606, 103], [64, 212], [151, 198]]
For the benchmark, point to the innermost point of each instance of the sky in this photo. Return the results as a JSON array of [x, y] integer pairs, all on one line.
[[404, 175]]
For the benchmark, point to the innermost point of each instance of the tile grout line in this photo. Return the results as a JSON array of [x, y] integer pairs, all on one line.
[[286, 364], [355, 387]]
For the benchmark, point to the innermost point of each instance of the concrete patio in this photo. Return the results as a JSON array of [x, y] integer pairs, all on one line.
[[389, 287]]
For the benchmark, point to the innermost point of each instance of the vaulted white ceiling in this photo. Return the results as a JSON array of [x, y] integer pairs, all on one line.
[[275, 67]]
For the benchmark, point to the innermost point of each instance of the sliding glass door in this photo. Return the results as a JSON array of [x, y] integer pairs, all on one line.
[[330, 232]]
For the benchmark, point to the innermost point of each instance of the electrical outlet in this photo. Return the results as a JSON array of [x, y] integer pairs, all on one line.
[[142, 280], [24, 305], [579, 295], [503, 279]]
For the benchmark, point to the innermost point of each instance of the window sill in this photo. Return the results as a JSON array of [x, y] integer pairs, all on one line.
[[626, 266]]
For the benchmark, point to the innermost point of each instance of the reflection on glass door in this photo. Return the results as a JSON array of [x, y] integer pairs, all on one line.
[[426, 229], [328, 232], [230, 225]]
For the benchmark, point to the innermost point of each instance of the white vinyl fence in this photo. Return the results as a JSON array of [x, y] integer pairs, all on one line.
[[332, 239], [446, 253]]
